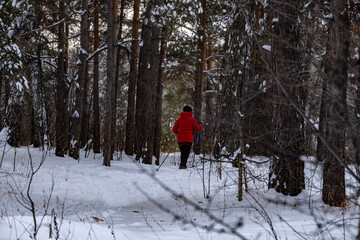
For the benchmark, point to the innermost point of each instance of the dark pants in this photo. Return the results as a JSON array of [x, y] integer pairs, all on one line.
[[185, 148]]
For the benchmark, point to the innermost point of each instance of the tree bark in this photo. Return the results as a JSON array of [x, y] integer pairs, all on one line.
[[130, 117], [159, 93], [199, 73], [309, 99], [2, 110], [321, 148], [67, 112], [149, 61], [287, 169], [96, 105], [354, 131], [333, 192], [210, 113], [80, 87], [115, 136], [37, 84], [60, 87], [84, 79], [257, 112], [110, 83]]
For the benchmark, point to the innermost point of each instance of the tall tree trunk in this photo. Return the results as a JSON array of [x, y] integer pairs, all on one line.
[[149, 61], [60, 86], [210, 117], [321, 146], [130, 117], [307, 75], [118, 50], [80, 87], [37, 84], [333, 192], [354, 131], [257, 112], [84, 80], [110, 83], [2, 110], [39, 106], [200, 66], [96, 106], [67, 112], [159, 93], [117, 68], [287, 169]]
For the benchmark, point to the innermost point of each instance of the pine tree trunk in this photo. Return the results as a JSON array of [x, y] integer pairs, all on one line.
[[1, 103], [333, 192], [37, 85], [80, 87], [355, 123], [84, 79], [356, 133], [257, 112], [199, 73], [210, 116], [117, 68], [130, 117], [67, 112], [149, 61], [39, 106], [287, 169], [96, 105], [159, 93], [60, 87], [142, 90], [110, 83]]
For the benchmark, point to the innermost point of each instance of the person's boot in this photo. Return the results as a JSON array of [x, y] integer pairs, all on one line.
[[182, 166]]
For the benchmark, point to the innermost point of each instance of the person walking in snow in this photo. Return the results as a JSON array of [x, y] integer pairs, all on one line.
[[184, 128]]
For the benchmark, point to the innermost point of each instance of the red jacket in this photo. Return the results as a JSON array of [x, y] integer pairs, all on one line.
[[184, 127]]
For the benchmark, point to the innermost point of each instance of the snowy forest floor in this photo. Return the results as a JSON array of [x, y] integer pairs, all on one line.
[[128, 201]]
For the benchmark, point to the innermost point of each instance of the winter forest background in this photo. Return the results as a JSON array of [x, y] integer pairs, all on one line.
[[278, 79]]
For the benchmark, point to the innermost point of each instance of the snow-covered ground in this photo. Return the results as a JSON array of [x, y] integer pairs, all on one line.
[[134, 201]]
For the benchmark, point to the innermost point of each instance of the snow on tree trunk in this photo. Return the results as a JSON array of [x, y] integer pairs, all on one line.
[[80, 93]]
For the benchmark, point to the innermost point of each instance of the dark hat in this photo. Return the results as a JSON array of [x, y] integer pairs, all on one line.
[[187, 109]]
